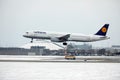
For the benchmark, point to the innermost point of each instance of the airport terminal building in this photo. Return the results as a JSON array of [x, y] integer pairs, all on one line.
[[77, 50]]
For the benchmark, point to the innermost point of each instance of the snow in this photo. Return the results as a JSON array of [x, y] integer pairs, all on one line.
[[59, 71]]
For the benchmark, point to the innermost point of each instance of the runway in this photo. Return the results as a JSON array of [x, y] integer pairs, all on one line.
[[79, 59]]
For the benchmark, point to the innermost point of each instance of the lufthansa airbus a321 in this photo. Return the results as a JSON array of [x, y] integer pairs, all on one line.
[[64, 37]]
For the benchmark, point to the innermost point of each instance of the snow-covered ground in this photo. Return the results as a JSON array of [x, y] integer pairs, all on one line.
[[59, 71], [26, 58]]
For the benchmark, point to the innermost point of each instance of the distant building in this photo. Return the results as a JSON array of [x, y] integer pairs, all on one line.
[[39, 50], [34, 50], [13, 51], [116, 47], [78, 50], [81, 47], [84, 46]]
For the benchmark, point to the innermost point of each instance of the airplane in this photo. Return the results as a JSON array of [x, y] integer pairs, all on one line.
[[64, 37]]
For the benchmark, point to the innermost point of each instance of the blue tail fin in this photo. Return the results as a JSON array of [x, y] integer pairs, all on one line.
[[103, 30]]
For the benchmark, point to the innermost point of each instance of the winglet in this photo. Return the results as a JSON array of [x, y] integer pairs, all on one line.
[[103, 30]]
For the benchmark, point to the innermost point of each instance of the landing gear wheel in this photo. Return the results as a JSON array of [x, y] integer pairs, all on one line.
[[31, 41], [64, 43]]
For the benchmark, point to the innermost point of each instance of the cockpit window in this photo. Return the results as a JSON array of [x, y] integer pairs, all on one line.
[[26, 32]]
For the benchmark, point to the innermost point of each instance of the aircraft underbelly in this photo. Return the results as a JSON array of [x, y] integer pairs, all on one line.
[[79, 38], [37, 36]]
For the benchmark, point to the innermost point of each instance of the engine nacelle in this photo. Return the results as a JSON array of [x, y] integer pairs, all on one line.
[[54, 39]]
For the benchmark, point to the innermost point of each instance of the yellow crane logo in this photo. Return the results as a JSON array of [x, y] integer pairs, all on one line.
[[103, 29]]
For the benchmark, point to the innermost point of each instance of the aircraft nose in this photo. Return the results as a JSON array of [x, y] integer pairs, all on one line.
[[25, 35]]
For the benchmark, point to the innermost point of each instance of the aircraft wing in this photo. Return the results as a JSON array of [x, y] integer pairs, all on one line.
[[64, 38]]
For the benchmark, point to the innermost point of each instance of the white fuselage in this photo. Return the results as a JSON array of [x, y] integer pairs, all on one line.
[[53, 36]]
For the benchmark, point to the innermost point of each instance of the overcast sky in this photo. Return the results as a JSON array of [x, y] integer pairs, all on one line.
[[74, 16]]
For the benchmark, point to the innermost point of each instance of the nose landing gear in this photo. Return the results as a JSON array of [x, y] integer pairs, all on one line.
[[31, 40]]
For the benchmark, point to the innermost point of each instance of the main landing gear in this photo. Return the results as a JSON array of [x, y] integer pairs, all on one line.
[[65, 44]]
